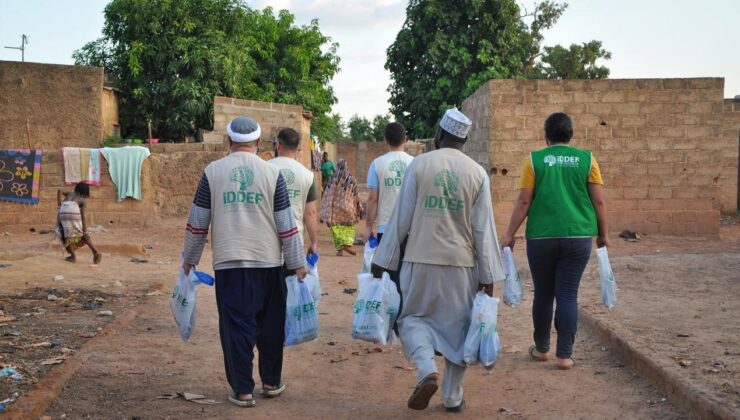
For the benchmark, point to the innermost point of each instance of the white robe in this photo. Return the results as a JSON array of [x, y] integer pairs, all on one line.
[[438, 299]]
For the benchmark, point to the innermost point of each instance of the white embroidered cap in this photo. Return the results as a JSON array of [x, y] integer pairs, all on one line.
[[456, 123], [243, 130]]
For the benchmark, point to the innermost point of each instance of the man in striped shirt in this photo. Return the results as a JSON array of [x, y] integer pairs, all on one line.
[[254, 239]]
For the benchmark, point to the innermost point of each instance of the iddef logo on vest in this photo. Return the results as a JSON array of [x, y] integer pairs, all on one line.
[[551, 160]]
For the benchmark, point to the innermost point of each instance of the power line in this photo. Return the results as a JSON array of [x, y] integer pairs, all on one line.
[[24, 42]]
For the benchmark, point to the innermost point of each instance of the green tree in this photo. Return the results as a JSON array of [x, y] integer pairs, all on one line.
[[446, 50], [576, 62], [379, 123], [170, 58], [331, 127], [359, 128]]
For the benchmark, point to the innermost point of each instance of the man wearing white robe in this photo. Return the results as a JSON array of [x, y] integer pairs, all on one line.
[[445, 209]]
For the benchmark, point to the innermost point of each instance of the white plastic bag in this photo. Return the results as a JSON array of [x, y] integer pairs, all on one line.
[[482, 343], [608, 284], [301, 318], [513, 288], [376, 309], [182, 301], [370, 246]]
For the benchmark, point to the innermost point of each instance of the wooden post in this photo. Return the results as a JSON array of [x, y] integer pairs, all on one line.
[[28, 133]]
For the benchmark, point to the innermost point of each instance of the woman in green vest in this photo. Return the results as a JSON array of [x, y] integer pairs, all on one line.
[[561, 196]]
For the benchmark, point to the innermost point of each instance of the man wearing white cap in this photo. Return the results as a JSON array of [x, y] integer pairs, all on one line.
[[452, 252], [245, 202]]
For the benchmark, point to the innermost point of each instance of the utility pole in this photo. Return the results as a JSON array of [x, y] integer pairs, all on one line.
[[24, 42]]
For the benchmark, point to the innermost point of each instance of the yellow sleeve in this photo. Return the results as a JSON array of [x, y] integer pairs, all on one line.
[[594, 176], [527, 179]]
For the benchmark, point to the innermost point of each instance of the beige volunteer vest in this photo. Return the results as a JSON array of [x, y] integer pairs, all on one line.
[[447, 183], [390, 169], [298, 179], [242, 215]]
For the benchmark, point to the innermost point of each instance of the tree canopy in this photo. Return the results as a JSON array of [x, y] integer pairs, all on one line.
[[170, 58], [446, 50], [361, 128]]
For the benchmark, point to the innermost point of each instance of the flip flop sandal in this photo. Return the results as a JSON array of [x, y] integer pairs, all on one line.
[[272, 392], [456, 409], [234, 399], [568, 367], [423, 392], [532, 348]]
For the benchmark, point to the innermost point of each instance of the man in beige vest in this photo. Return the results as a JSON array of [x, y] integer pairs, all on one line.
[[302, 189], [452, 252], [244, 201]]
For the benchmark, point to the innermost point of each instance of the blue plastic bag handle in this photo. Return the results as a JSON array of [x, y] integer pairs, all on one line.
[[312, 259], [373, 241], [204, 278]]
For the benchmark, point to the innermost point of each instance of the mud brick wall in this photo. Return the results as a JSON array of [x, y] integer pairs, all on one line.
[[360, 154], [62, 103], [169, 178], [272, 117], [668, 162]]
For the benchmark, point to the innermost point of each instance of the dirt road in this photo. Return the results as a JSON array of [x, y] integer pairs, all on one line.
[[332, 377]]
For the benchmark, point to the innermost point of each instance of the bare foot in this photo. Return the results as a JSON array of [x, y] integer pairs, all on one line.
[[565, 364], [339, 253], [350, 250], [97, 258], [71, 259], [245, 397]]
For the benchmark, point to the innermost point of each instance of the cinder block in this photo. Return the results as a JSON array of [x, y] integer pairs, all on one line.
[[622, 84], [700, 132], [674, 83], [706, 83], [634, 121], [700, 108], [612, 96], [659, 193], [673, 132], [626, 108], [689, 193], [624, 133], [635, 193]]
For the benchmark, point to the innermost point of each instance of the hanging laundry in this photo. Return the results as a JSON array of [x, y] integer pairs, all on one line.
[[81, 165], [20, 171], [124, 165]]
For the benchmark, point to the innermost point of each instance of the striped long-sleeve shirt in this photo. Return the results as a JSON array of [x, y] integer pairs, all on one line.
[[199, 220]]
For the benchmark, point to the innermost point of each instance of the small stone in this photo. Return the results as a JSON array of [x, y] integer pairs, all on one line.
[[117, 283], [685, 363], [105, 313], [59, 277], [52, 297]]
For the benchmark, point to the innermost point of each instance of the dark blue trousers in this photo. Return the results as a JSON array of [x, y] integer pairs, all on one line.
[[251, 311], [557, 266], [395, 275]]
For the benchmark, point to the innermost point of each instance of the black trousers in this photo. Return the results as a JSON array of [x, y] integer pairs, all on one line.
[[251, 312], [557, 266]]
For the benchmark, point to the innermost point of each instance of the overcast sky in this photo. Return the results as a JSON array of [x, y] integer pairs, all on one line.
[[647, 38]]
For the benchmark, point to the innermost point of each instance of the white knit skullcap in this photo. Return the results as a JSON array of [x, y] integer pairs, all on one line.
[[456, 123], [243, 130]]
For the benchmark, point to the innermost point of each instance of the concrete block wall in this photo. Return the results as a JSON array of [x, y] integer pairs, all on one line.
[[272, 117], [668, 165]]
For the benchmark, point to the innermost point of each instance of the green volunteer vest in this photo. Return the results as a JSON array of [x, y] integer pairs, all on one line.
[[561, 206]]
